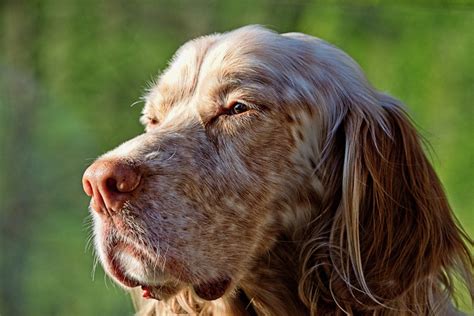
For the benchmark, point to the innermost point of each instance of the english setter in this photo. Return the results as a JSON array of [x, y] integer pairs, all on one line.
[[273, 179]]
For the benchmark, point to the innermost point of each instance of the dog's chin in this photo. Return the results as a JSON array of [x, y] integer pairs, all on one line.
[[130, 268]]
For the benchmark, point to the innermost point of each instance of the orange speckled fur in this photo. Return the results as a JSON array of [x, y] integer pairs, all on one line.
[[316, 200]]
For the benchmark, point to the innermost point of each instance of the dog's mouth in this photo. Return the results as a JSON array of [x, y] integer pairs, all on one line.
[[131, 267], [118, 273], [124, 262], [207, 291]]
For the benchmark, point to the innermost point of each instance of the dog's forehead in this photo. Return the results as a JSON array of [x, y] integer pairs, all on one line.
[[179, 80], [279, 69], [215, 60]]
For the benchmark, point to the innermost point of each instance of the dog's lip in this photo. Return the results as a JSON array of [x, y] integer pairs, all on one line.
[[159, 292], [212, 289], [116, 268], [162, 290], [167, 284], [117, 271], [209, 290]]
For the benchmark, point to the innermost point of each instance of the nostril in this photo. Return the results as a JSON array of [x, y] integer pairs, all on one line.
[[111, 185]]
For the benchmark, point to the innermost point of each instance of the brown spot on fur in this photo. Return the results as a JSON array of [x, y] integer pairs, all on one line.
[[300, 135]]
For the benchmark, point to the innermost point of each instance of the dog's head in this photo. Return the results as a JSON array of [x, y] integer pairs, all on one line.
[[206, 189], [250, 135]]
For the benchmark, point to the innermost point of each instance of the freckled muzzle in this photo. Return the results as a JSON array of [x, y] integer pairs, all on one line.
[[122, 194]]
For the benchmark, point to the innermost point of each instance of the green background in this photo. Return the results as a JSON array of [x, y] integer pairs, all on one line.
[[70, 71]]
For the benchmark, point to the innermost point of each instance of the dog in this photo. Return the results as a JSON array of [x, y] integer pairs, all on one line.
[[273, 179]]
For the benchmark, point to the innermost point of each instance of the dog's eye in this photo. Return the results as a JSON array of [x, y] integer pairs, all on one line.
[[152, 121], [238, 108]]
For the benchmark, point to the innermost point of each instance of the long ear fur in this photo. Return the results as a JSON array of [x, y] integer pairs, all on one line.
[[387, 241]]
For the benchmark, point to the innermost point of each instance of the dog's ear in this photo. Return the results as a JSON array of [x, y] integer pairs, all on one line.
[[393, 238]]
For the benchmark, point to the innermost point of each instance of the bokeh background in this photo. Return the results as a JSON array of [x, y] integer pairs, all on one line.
[[70, 71]]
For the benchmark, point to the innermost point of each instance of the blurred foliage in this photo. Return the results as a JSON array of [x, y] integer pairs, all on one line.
[[70, 71]]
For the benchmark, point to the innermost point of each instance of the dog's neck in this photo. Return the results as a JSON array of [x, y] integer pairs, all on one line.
[[272, 285]]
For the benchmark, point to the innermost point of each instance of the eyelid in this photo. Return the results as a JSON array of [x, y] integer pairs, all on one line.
[[234, 102], [230, 105]]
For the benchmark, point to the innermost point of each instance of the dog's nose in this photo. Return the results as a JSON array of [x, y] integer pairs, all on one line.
[[110, 183]]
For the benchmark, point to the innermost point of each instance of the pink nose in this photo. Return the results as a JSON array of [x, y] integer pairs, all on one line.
[[110, 184]]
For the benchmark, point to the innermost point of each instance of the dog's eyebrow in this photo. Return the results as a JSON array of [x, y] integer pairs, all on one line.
[[160, 99]]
